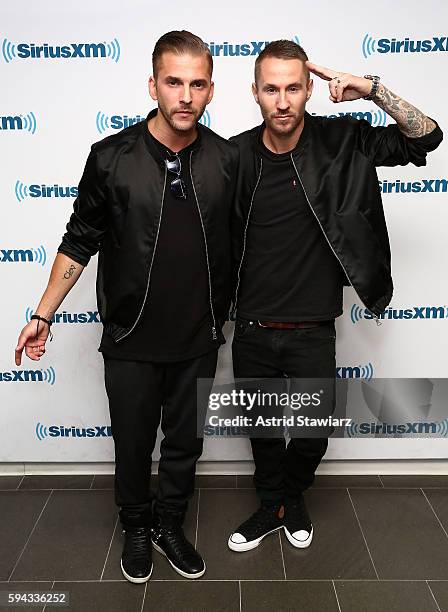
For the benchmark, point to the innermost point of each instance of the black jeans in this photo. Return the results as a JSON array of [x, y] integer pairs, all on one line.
[[284, 471], [142, 393]]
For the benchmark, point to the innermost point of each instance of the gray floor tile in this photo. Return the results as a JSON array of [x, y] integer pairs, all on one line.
[[440, 592], [215, 482], [403, 535], [349, 480], [220, 512], [288, 596], [71, 538], [19, 511], [23, 587], [162, 569], [417, 481], [57, 481], [192, 596], [438, 498], [338, 549], [101, 596], [382, 596], [9, 482]]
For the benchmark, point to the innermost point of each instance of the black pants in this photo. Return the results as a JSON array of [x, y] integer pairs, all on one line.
[[284, 470], [141, 394]]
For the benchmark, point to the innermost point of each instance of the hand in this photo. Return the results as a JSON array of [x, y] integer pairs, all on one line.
[[342, 85], [34, 344]]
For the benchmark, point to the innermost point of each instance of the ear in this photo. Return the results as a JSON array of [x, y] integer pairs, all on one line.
[[255, 92], [212, 91], [309, 89], [152, 88]]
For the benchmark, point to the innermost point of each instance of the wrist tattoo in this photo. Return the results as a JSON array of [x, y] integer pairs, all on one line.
[[69, 273], [412, 122]]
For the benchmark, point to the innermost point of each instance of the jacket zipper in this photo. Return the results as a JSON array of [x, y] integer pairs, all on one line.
[[150, 267], [232, 314], [214, 332]]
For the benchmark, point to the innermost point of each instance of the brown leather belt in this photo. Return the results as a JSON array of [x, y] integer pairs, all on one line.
[[291, 325]]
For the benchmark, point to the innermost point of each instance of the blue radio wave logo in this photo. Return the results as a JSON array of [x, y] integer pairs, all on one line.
[[41, 431], [28, 314], [8, 50], [296, 39], [356, 313], [368, 46], [205, 119], [49, 375], [352, 430], [379, 118], [21, 191], [102, 122], [29, 122], [367, 371], [442, 428], [113, 50], [40, 255]]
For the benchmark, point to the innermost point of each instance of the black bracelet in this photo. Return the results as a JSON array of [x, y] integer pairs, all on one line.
[[49, 323]]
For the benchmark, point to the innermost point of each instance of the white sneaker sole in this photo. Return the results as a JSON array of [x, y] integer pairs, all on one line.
[[299, 543], [244, 546], [179, 571], [136, 580]]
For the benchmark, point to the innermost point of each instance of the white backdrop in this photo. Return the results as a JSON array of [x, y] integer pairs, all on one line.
[[53, 108]]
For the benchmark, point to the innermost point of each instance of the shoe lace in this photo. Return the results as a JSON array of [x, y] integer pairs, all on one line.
[[139, 541], [260, 517]]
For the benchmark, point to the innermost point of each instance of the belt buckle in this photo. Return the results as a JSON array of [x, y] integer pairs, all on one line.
[[260, 325]]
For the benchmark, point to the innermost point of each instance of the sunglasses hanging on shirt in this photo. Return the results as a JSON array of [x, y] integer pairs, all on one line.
[[177, 184]]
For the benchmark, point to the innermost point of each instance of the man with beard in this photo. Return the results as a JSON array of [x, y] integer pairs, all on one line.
[[309, 219], [154, 200]]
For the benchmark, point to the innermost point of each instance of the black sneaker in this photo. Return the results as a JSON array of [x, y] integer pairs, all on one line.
[[298, 527], [267, 519], [136, 560], [168, 538]]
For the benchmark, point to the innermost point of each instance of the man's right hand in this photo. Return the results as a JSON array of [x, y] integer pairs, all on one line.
[[33, 344]]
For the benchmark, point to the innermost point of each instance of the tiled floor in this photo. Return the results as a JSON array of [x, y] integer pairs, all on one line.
[[380, 545]]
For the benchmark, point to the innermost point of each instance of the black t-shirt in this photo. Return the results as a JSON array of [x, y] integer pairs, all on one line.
[[176, 323], [289, 271]]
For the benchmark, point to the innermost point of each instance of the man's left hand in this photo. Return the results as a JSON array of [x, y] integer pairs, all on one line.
[[342, 85]]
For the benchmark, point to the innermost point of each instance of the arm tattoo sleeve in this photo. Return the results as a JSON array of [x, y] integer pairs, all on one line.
[[412, 122]]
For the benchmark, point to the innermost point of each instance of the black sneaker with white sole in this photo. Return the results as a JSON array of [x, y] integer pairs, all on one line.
[[136, 560], [267, 519], [168, 538], [297, 523]]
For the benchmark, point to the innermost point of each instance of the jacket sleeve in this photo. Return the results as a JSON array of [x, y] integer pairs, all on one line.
[[87, 224], [388, 146]]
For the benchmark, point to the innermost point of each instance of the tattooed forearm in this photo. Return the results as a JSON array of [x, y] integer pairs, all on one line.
[[412, 122], [69, 273]]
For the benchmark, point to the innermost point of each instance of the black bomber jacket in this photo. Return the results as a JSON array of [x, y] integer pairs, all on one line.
[[336, 167], [118, 212]]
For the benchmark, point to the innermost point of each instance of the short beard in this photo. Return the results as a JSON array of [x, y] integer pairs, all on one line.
[[176, 126], [282, 133]]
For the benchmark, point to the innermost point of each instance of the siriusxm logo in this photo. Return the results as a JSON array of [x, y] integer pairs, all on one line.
[[416, 312], [59, 431], [424, 186], [205, 119], [243, 49], [361, 371], [374, 117], [34, 190], [26, 122], [89, 316], [13, 51], [115, 122], [407, 45], [38, 255], [437, 428], [48, 376]]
